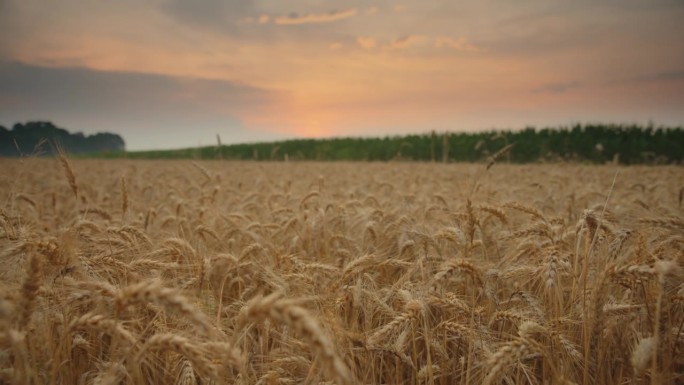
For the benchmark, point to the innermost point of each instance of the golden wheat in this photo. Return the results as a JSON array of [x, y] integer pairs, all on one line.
[[225, 272]]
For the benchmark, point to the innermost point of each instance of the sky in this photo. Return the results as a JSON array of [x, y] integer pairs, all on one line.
[[177, 73]]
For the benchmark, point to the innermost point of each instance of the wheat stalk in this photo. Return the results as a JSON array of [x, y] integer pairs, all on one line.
[[284, 311]]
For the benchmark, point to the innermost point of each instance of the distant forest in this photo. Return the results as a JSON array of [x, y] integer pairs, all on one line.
[[39, 138], [591, 143], [625, 144]]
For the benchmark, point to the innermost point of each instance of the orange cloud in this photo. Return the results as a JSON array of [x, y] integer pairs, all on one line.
[[311, 18], [263, 19], [366, 42], [460, 44], [405, 41]]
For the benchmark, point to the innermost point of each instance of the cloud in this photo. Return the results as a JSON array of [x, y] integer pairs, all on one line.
[[126, 102], [263, 19], [45, 88], [335, 46], [404, 41], [460, 44], [372, 10], [208, 10], [212, 13], [313, 18], [556, 88], [366, 42], [668, 76], [407, 41], [663, 76]]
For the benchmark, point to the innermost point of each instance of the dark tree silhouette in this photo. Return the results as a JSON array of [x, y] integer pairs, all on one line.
[[34, 138]]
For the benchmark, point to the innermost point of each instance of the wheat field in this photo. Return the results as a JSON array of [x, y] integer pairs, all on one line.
[[181, 272]]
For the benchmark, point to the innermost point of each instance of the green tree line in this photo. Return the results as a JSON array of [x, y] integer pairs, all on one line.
[[600, 143]]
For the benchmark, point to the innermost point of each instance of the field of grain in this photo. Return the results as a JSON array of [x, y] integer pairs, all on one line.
[[180, 272]]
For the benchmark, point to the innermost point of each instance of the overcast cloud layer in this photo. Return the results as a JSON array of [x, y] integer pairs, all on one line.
[[174, 73]]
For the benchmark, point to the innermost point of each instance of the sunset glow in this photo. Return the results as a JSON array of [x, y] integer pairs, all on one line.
[[258, 70]]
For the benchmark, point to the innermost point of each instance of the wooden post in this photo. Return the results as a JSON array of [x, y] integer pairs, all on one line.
[[219, 149]]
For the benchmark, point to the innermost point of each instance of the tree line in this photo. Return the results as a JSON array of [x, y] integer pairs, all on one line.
[[592, 143], [40, 138]]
